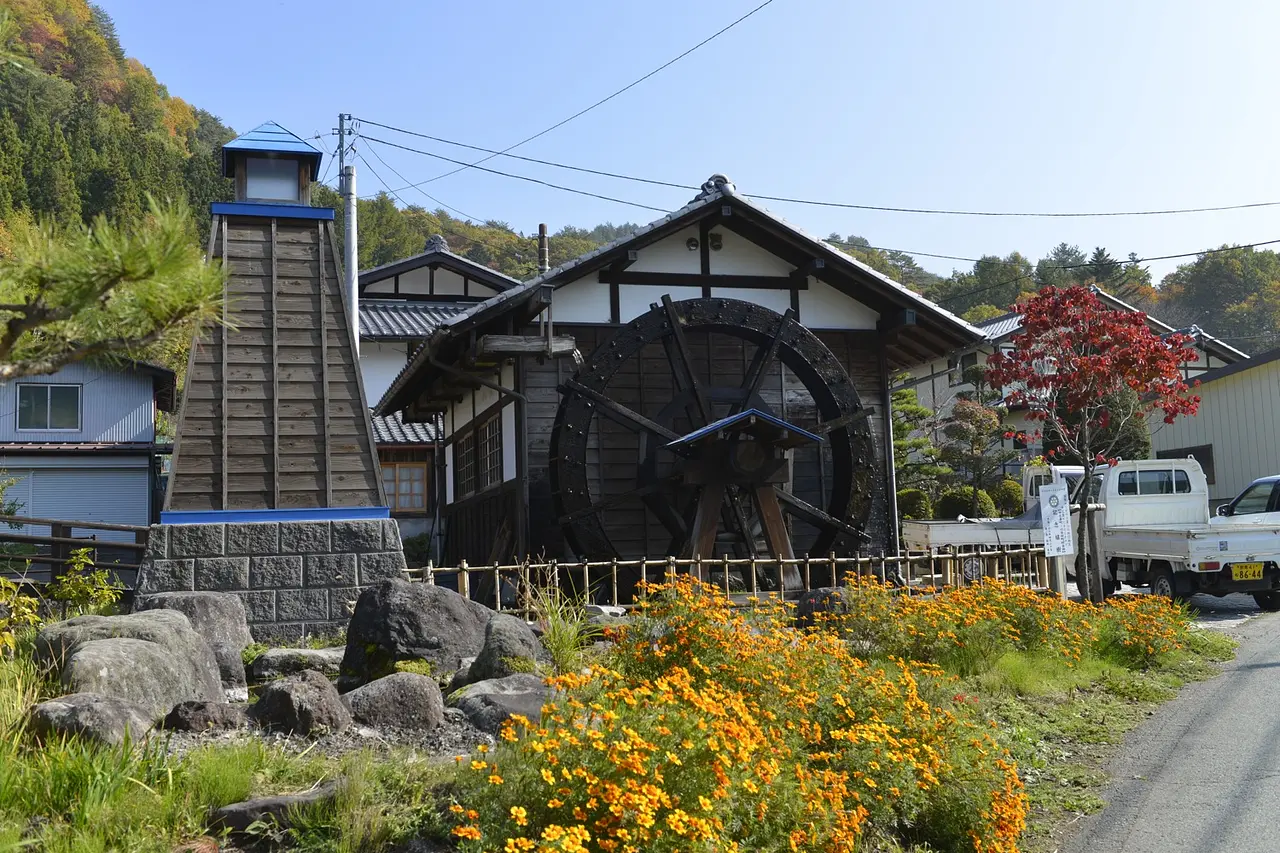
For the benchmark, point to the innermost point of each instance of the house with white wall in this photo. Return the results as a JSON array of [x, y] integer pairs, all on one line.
[[939, 382], [400, 305]]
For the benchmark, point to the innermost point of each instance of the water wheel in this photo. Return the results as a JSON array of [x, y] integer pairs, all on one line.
[[618, 467]]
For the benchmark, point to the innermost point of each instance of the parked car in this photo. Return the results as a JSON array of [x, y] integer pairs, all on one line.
[[1260, 497]]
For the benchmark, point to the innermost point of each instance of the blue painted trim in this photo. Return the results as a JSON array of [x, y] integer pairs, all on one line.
[[240, 516], [273, 211], [733, 421]]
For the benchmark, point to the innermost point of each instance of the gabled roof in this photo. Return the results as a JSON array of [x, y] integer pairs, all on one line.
[[404, 320], [391, 429], [936, 329], [999, 328], [436, 252], [1239, 367], [271, 138]]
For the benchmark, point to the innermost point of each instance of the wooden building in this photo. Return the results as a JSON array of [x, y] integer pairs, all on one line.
[[561, 396], [273, 414], [401, 304]]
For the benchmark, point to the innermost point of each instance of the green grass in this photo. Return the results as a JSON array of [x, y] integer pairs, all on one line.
[[567, 630], [1061, 724]]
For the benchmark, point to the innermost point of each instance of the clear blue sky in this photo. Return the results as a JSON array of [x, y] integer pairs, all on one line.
[[992, 106]]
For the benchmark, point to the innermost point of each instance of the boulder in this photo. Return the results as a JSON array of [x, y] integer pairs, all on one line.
[[303, 704], [218, 617], [238, 817], [826, 599], [510, 647], [397, 620], [191, 669], [402, 700], [277, 663], [104, 719], [204, 716], [488, 704], [143, 673]]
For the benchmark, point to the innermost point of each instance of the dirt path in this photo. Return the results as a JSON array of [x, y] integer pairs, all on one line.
[[1203, 774]]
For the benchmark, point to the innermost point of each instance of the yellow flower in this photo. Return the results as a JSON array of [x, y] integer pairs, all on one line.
[[548, 776], [519, 815], [495, 779], [478, 765]]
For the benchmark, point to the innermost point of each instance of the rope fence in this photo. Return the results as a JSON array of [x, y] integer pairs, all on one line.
[[505, 587]]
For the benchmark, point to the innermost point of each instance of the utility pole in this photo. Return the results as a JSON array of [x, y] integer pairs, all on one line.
[[350, 243]]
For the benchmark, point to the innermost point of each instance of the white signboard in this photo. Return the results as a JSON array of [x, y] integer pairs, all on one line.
[[1055, 519]]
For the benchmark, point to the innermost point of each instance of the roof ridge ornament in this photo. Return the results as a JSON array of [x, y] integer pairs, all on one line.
[[436, 243], [717, 183]]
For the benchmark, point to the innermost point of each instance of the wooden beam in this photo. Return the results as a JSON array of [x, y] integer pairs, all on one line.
[[275, 380], [226, 407], [674, 279], [561, 345], [704, 254], [618, 412], [324, 372], [844, 421]]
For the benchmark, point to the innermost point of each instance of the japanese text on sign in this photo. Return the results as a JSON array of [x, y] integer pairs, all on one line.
[[1055, 519]]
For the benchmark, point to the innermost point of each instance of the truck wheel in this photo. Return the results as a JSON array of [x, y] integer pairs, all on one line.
[[1109, 587], [1162, 584], [1268, 601]]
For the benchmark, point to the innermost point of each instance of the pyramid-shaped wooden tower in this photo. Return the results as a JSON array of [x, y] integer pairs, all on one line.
[[273, 415]]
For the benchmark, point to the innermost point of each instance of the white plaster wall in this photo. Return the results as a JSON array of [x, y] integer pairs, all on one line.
[[484, 398], [824, 307], [774, 300], [583, 301], [509, 443], [380, 363], [669, 255], [739, 256], [384, 286], [635, 299], [448, 474]]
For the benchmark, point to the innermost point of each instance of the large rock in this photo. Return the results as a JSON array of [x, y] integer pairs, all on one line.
[[105, 719], [397, 620], [165, 662], [306, 703], [276, 811], [488, 704], [204, 716], [510, 647], [277, 663], [219, 618], [402, 700], [146, 674]]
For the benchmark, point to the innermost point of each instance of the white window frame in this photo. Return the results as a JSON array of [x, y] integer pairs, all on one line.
[[17, 414]]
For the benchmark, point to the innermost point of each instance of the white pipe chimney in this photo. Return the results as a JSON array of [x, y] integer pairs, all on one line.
[[352, 251]]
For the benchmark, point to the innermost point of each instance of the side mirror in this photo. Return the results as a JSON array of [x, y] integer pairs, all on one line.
[[1224, 510]]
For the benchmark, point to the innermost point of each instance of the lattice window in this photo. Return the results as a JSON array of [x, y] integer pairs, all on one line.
[[489, 446], [464, 466], [406, 485]]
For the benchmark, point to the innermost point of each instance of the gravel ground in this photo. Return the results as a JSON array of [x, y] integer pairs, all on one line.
[[453, 737]]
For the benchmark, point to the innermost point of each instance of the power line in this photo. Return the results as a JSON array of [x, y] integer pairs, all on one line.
[[814, 202], [511, 175], [605, 99], [461, 213]]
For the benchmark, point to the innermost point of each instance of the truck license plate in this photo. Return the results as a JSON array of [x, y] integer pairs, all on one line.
[[1246, 571]]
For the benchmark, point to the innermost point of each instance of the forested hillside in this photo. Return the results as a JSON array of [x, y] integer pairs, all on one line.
[[86, 130]]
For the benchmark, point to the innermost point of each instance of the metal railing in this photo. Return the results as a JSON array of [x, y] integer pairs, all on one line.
[[505, 587]]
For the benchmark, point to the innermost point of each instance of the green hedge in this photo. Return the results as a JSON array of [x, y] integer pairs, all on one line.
[[914, 503], [1007, 496], [958, 501]]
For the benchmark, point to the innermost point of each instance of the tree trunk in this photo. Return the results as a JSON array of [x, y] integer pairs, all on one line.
[[1088, 577]]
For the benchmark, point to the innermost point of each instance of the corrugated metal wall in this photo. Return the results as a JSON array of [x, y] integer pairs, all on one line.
[[113, 495], [115, 405], [1237, 418]]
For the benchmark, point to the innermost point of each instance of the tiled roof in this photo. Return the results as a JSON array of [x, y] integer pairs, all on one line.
[[395, 319], [390, 429], [998, 327]]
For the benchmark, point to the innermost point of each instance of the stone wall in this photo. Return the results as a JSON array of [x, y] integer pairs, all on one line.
[[295, 577]]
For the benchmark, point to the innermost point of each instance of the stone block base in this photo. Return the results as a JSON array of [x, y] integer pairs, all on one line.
[[296, 578]]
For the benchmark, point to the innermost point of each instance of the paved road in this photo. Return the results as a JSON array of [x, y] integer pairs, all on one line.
[[1203, 774]]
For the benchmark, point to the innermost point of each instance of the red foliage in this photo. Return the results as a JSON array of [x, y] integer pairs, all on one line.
[[1074, 353]]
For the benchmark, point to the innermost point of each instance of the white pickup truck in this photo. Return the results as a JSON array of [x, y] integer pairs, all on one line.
[[1154, 530]]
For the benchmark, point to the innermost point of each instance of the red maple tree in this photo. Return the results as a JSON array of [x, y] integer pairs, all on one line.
[[1071, 367]]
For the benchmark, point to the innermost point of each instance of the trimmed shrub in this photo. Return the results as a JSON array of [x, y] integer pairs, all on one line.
[[1007, 496], [958, 501], [417, 550], [915, 504]]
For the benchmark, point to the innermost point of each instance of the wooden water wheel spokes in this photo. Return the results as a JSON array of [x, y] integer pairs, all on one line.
[[675, 482]]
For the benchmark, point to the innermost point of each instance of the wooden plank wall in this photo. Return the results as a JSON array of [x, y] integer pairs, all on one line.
[[646, 386], [273, 414]]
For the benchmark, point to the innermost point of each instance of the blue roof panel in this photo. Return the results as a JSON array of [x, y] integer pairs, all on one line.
[[272, 138], [742, 421]]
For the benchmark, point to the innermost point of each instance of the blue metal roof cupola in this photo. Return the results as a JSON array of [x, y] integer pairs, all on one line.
[[271, 165]]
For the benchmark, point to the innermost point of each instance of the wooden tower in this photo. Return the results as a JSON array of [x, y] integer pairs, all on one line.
[[273, 415]]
